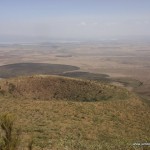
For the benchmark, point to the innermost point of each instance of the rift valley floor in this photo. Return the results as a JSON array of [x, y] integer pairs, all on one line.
[[77, 95]]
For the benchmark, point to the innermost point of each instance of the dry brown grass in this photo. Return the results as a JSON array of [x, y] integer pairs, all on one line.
[[76, 125], [72, 125], [9, 139], [55, 87]]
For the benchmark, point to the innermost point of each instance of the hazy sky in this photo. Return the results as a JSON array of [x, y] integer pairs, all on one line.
[[40, 20]]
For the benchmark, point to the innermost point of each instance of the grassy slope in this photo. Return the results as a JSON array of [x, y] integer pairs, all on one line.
[[55, 87], [76, 125]]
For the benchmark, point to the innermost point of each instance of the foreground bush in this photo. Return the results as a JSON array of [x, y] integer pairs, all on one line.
[[10, 137]]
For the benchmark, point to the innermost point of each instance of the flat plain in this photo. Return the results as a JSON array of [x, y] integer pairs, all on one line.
[[123, 63]]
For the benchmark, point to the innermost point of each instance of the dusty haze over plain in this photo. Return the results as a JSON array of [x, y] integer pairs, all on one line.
[[44, 20]]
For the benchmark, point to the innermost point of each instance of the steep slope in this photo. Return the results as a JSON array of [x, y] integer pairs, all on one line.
[[78, 114], [61, 88]]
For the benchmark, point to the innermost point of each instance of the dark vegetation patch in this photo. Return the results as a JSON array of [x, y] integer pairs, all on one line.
[[123, 81], [27, 69], [60, 88], [22, 69], [127, 82], [87, 75]]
